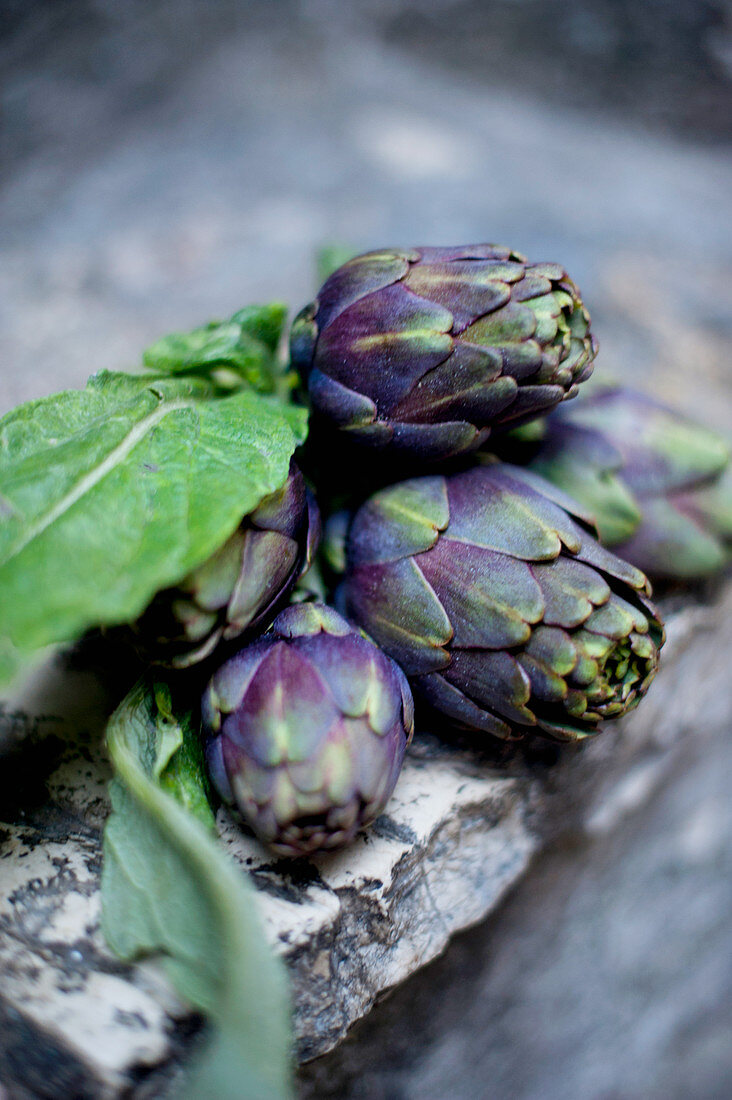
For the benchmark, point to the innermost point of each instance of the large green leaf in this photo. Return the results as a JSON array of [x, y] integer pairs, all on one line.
[[169, 890], [111, 493]]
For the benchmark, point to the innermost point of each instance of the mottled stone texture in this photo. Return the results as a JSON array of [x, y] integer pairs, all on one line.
[[460, 829]]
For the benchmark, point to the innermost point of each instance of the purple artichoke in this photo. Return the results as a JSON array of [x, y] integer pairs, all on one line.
[[241, 587], [308, 728], [425, 350], [658, 485], [504, 612]]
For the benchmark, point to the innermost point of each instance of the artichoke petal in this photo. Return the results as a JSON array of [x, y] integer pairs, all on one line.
[[383, 344], [356, 674], [546, 684], [396, 605], [285, 711], [659, 485], [268, 561], [553, 647], [430, 441], [467, 384], [450, 700], [669, 543], [492, 514], [495, 680], [467, 288], [358, 277], [490, 599], [571, 591], [401, 520], [343, 406]]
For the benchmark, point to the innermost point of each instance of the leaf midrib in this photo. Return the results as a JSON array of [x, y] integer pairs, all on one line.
[[91, 479]]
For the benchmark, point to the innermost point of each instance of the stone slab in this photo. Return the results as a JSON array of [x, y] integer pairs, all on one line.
[[461, 828]]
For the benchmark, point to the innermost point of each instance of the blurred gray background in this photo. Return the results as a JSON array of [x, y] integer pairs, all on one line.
[[167, 161]]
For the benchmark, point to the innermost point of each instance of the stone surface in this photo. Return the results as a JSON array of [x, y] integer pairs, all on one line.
[[461, 828], [606, 972]]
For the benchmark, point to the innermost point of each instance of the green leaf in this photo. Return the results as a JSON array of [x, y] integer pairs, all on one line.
[[169, 731], [329, 258], [265, 323], [110, 493], [169, 890], [245, 345], [11, 663], [179, 766]]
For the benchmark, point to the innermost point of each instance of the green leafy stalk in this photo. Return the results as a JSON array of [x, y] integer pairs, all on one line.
[[243, 349], [169, 890]]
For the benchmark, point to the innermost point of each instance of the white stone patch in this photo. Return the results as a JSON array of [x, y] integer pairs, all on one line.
[[86, 1017]]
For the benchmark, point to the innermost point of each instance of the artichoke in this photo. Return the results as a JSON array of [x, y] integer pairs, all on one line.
[[241, 586], [659, 485], [423, 351], [308, 728], [505, 613]]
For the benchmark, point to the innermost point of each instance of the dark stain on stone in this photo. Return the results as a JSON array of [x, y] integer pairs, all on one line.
[[151, 1082], [18, 728], [131, 1019], [52, 822], [390, 829], [288, 879], [31, 1060]]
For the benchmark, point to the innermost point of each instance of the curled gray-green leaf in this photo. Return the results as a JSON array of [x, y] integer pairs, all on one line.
[[170, 891]]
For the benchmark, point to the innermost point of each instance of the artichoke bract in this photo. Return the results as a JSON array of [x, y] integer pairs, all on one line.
[[241, 586], [659, 485], [307, 731], [505, 613], [422, 351]]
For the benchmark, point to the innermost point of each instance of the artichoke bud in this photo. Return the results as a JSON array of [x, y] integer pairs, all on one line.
[[241, 586], [307, 731], [424, 351], [503, 610], [658, 485]]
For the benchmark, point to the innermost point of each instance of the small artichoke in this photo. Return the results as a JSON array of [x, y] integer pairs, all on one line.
[[241, 586], [502, 609], [658, 485], [424, 350], [308, 728]]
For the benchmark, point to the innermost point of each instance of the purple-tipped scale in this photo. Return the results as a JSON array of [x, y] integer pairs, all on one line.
[[242, 586], [658, 485], [502, 609], [307, 731], [423, 351]]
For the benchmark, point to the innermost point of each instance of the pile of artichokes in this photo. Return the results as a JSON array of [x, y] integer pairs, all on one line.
[[512, 597]]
